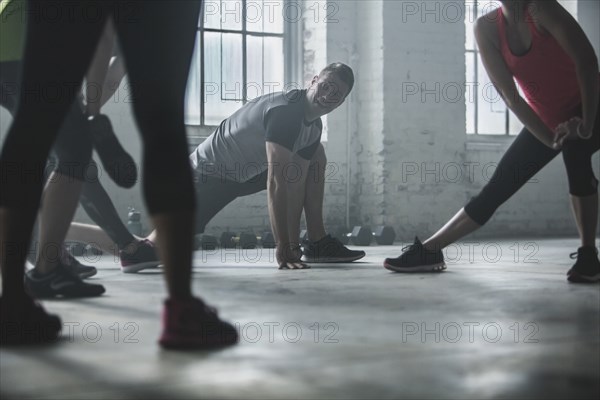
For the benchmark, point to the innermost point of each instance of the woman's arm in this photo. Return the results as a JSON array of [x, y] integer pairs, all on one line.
[[551, 16], [501, 77]]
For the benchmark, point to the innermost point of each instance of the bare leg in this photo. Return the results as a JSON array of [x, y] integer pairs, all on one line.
[[60, 201], [314, 195], [93, 235], [152, 236], [585, 211], [114, 76], [459, 226]]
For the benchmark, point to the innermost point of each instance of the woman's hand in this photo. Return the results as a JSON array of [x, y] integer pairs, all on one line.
[[568, 130], [289, 257]]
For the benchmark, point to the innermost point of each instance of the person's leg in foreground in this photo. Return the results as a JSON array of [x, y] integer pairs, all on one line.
[[158, 41], [53, 53]]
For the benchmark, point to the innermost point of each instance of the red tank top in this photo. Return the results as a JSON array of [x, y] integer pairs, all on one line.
[[545, 73]]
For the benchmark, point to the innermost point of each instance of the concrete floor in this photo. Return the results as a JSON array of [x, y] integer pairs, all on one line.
[[499, 323]]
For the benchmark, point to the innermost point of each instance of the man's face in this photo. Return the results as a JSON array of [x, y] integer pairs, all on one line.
[[326, 93]]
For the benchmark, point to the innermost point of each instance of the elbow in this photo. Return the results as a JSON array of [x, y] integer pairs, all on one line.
[[512, 101]]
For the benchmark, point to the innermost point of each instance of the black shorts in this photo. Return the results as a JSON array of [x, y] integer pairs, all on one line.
[[213, 194]]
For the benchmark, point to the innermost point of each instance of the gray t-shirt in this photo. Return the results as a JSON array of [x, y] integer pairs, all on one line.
[[236, 150]]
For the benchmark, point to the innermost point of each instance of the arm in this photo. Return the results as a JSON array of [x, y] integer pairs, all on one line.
[[567, 32], [277, 191], [502, 79], [114, 76], [96, 74], [296, 184]]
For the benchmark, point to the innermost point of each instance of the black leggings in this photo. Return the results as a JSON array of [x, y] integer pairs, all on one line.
[[525, 158], [71, 158], [98, 205], [73, 146], [157, 39], [214, 194]]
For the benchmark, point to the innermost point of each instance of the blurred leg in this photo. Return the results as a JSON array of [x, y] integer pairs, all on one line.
[[57, 53]]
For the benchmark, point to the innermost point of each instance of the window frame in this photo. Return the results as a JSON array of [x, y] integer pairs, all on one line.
[[292, 47], [474, 54]]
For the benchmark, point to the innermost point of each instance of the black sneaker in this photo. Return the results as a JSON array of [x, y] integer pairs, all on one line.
[[144, 257], [59, 283], [119, 165], [191, 324], [329, 250], [415, 258], [26, 322], [587, 267], [71, 263]]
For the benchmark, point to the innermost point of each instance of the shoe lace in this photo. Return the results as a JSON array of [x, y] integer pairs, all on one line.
[[337, 241], [67, 259], [408, 247], [575, 254]]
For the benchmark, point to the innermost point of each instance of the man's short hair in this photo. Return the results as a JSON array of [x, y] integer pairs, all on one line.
[[342, 71]]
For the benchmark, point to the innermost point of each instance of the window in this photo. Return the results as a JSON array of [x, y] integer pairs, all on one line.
[[239, 55], [486, 112]]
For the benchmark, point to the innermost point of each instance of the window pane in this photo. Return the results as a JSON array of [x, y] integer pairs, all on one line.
[[273, 16], [255, 66], [273, 48], [223, 14], [231, 14], [192, 98], [265, 65], [265, 16], [470, 91], [514, 125], [211, 14], [223, 76], [491, 111], [470, 17]]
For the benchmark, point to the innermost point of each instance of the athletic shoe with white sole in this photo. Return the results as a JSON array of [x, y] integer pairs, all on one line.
[[416, 258], [329, 250], [144, 257], [191, 324], [587, 267], [60, 282]]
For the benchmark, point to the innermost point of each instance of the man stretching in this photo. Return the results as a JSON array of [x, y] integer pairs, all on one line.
[[274, 143]]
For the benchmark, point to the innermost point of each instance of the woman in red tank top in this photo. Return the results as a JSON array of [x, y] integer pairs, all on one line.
[[541, 46]]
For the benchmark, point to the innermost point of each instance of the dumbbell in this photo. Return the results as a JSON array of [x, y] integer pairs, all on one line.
[[207, 242], [227, 240], [92, 250], [76, 249], [341, 234], [268, 240], [361, 236], [384, 235], [245, 240]]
